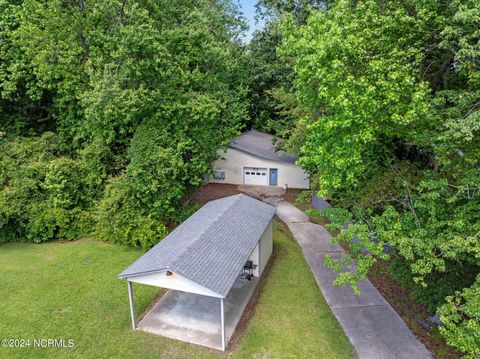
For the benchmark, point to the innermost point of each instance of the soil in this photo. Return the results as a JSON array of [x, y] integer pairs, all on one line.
[[292, 194], [212, 191]]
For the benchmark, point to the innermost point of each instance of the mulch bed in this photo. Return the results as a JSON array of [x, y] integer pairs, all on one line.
[[212, 191]]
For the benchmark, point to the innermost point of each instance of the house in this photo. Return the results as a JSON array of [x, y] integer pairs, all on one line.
[[252, 159], [211, 263]]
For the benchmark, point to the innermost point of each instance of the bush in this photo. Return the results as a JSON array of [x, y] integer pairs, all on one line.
[[45, 194], [461, 320], [168, 158], [120, 219], [304, 197]]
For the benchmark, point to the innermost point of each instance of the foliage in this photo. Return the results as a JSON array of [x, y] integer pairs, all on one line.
[[460, 316], [355, 110], [388, 111], [165, 163], [44, 195], [267, 73], [304, 197], [272, 102], [140, 94]]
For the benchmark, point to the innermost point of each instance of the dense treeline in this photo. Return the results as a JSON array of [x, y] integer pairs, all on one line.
[[111, 112], [387, 120]]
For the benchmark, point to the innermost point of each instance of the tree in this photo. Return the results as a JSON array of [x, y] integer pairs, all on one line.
[[270, 75], [149, 90], [389, 93]]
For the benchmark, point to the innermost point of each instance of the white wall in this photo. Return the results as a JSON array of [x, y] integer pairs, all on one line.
[[254, 258], [266, 247], [176, 282], [234, 161], [262, 252]]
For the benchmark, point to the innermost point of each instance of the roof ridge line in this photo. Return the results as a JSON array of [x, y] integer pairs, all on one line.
[[215, 220]]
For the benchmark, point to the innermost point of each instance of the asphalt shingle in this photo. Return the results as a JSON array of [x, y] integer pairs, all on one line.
[[260, 144], [211, 247]]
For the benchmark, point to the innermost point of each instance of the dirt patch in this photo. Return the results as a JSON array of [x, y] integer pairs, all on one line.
[[292, 194], [212, 191]]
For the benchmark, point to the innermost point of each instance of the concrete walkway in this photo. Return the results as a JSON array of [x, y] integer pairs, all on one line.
[[369, 321]]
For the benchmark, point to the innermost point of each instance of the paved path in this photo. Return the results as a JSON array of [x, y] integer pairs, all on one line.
[[372, 325]]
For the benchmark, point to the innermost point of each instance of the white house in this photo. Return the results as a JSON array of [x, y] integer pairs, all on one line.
[[252, 159]]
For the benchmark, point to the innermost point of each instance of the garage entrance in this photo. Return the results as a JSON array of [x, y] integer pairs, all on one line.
[[255, 176]]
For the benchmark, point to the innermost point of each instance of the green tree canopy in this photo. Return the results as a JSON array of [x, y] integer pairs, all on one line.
[[388, 95], [141, 94]]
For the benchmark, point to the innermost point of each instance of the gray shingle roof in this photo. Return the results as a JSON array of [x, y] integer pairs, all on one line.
[[261, 145], [212, 246]]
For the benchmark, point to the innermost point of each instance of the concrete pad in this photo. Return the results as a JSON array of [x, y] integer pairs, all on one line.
[[272, 201], [379, 333], [261, 191], [313, 237], [195, 318], [341, 297], [288, 213]]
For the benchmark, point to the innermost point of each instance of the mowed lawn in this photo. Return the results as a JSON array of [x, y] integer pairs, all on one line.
[[69, 290]]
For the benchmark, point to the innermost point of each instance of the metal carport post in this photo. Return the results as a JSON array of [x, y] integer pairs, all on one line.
[[132, 304], [222, 315]]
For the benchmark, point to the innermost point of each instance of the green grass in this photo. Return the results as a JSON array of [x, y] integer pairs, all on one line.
[[292, 319], [70, 290]]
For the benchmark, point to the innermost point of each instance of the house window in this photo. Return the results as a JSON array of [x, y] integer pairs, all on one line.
[[219, 175]]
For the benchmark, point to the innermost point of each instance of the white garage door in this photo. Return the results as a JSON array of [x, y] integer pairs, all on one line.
[[256, 176]]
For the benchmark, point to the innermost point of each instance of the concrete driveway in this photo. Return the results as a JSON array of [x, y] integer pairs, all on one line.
[[375, 330]]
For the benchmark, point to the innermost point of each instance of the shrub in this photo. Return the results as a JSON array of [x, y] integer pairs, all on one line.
[[45, 194], [120, 219], [461, 320]]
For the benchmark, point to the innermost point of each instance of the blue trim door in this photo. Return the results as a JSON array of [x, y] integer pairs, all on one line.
[[273, 176]]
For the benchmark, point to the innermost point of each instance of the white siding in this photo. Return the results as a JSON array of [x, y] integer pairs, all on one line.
[[254, 259], [234, 161], [176, 282], [265, 244], [266, 247]]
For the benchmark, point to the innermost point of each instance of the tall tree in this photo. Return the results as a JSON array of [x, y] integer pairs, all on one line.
[[146, 92], [389, 94], [271, 98]]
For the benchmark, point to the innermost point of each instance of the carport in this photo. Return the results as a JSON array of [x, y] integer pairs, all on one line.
[[211, 264]]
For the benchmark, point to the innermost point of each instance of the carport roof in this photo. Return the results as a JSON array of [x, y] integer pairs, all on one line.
[[211, 246], [260, 144]]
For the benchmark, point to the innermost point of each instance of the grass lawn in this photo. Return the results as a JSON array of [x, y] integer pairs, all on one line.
[[70, 290]]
